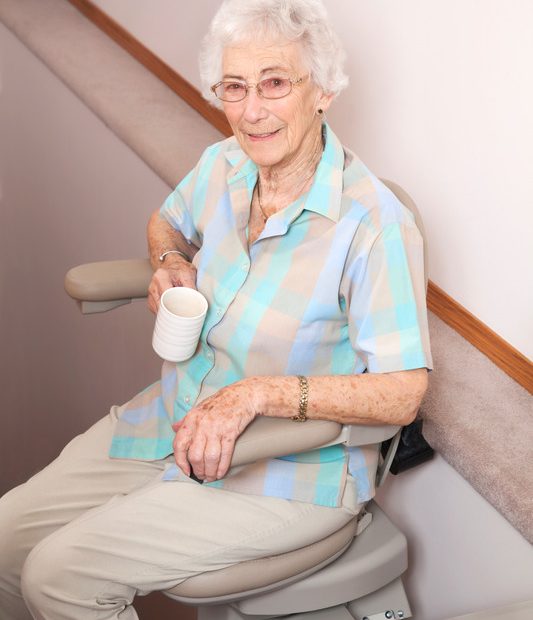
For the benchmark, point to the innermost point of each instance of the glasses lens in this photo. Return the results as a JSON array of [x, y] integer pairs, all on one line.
[[275, 87], [231, 91]]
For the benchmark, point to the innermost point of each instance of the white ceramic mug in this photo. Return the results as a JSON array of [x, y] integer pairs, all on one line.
[[178, 324]]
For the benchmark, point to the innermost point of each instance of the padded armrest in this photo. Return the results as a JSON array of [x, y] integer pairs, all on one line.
[[273, 437], [107, 284]]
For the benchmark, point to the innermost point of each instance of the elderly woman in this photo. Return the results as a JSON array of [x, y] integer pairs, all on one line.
[[314, 276]]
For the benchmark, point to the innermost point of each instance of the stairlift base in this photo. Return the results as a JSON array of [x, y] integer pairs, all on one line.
[[388, 603]]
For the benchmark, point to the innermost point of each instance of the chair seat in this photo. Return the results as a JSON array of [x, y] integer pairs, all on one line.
[[313, 577], [254, 575]]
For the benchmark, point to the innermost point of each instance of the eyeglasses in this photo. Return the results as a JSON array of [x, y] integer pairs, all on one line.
[[269, 88]]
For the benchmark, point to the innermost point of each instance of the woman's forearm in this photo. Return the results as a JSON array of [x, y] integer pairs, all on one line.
[[388, 398], [163, 237]]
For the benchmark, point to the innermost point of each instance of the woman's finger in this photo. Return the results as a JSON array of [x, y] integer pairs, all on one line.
[[182, 441], [196, 455], [153, 302], [155, 291], [212, 455], [226, 452]]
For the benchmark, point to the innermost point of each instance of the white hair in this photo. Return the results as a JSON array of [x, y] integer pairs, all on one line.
[[305, 21]]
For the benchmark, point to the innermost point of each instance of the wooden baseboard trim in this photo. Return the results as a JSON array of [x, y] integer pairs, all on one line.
[[153, 63], [472, 329]]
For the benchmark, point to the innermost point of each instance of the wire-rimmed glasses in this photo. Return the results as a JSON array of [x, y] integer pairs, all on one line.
[[268, 88]]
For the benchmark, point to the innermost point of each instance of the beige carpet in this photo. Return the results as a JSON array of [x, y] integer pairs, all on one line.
[[480, 420]]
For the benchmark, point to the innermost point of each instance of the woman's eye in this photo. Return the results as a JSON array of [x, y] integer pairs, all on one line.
[[233, 86], [273, 83]]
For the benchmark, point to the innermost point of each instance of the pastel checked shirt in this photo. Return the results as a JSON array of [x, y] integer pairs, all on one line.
[[334, 285]]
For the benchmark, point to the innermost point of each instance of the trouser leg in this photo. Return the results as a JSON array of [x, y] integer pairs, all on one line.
[[81, 478], [156, 537]]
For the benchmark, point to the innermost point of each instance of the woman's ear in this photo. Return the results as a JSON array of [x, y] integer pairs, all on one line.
[[323, 102]]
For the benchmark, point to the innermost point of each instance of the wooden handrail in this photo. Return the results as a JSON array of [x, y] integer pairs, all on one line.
[[504, 355]]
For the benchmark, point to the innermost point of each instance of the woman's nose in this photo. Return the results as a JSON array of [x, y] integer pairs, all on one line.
[[255, 108]]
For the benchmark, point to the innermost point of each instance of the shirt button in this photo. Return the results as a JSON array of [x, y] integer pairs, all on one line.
[[187, 399], [219, 311], [244, 266], [209, 355]]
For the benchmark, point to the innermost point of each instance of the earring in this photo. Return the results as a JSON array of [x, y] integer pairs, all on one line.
[[320, 111]]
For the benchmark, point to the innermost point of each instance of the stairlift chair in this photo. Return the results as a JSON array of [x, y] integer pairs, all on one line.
[[344, 576]]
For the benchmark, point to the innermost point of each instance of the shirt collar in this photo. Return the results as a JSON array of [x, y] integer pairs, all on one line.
[[325, 194], [241, 164]]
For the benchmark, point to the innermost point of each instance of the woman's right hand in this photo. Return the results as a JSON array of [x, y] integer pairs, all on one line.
[[180, 273]]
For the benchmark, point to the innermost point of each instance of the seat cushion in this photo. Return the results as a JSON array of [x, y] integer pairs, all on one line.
[[263, 572]]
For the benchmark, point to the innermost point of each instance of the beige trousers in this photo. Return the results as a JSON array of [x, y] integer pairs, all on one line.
[[81, 538]]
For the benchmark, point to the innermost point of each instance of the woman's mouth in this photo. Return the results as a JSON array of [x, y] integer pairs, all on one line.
[[261, 137]]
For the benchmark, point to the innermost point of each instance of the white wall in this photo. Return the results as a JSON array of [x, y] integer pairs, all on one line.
[[440, 100], [463, 555]]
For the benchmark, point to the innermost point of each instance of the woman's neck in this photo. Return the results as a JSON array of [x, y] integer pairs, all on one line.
[[283, 183]]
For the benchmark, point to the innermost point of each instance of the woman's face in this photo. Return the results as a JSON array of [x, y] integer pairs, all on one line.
[[273, 131]]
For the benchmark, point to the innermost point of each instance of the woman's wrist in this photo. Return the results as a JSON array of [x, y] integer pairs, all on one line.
[[276, 397], [255, 392], [172, 261], [172, 253]]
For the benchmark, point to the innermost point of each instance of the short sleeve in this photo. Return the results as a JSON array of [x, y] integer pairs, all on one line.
[[386, 301], [183, 207]]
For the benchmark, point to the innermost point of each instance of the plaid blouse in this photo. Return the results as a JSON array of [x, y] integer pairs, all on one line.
[[334, 285]]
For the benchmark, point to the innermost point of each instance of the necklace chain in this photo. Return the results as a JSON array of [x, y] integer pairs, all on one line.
[[263, 214]]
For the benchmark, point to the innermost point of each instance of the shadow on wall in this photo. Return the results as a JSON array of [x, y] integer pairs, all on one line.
[[72, 193]]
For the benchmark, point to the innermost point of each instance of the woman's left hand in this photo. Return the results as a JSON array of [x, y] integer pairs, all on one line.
[[205, 438]]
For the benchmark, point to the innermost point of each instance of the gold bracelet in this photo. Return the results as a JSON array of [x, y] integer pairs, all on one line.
[[304, 399]]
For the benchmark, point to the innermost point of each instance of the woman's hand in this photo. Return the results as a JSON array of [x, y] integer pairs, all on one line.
[[180, 273], [205, 438]]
